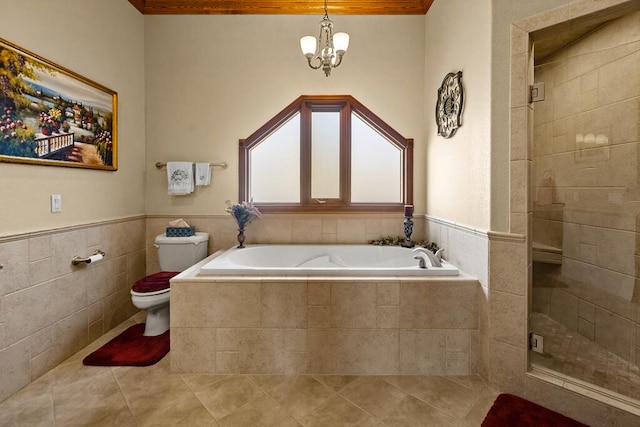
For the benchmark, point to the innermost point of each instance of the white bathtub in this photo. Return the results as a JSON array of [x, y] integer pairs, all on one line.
[[321, 260]]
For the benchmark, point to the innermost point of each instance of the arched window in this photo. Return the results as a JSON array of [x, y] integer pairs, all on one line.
[[326, 154]]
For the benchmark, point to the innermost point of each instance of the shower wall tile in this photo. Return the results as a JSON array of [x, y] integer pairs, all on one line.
[[615, 333]]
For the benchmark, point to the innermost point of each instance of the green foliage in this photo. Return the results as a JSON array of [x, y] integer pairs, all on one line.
[[395, 241]]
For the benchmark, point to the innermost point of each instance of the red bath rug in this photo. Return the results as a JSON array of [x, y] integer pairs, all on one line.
[[509, 410], [130, 348]]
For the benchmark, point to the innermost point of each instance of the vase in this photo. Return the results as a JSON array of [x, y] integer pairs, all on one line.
[[240, 238], [46, 131]]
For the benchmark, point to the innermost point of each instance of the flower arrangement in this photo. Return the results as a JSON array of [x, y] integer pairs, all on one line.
[[243, 213], [50, 121]]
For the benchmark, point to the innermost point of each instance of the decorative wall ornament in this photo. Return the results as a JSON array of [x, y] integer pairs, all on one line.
[[450, 105], [50, 115]]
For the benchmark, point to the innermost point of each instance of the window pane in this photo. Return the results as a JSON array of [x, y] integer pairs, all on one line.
[[376, 166], [325, 155], [275, 166]]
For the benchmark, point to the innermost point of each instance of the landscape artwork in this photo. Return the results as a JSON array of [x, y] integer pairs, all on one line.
[[50, 115]]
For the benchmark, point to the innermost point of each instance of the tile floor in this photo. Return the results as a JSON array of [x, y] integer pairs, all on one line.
[[76, 395], [572, 354]]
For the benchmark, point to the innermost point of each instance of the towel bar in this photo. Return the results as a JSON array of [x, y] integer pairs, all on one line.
[[223, 165]]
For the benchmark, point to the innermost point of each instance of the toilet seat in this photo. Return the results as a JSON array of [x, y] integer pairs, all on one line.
[[153, 284]]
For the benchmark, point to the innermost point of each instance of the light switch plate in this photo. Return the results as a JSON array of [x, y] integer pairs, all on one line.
[[56, 203]]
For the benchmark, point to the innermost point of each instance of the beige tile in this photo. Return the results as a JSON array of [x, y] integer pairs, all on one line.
[[300, 395], [506, 367], [423, 352], [262, 351], [457, 364], [319, 317], [479, 410], [388, 317], [284, 305], [353, 351], [216, 305], [351, 231], [262, 411], [353, 305], [15, 258], [193, 350], [388, 294], [32, 406], [375, 396], [438, 305], [335, 382], [227, 362], [16, 368], [506, 259], [413, 412], [338, 412], [457, 340], [449, 397], [506, 317], [228, 395], [90, 400], [319, 293]]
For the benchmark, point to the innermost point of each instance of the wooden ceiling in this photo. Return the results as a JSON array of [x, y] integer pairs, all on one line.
[[281, 7]]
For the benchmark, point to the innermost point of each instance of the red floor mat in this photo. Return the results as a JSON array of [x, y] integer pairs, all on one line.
[[509, 410], [130, 348]]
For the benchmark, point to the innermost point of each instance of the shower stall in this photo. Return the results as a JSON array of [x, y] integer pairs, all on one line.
[[585, 192]]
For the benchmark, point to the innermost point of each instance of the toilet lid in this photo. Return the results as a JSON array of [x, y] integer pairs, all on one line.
[[154, 282]]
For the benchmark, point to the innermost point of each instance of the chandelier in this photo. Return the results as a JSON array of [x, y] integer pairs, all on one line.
[[327, 51]]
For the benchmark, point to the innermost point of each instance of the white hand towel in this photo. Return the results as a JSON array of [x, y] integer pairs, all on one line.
[[203, 174], [180, 177]]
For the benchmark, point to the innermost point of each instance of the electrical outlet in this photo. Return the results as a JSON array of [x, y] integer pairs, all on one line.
[[56, 203], [536, 343]]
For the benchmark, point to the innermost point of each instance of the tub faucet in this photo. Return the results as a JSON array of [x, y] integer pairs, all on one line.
[[422, 254]]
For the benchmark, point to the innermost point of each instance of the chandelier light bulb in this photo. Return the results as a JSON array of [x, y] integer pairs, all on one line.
[[341, 42], [308, 46]]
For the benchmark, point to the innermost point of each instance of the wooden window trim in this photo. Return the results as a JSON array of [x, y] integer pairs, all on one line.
[[347, 105]]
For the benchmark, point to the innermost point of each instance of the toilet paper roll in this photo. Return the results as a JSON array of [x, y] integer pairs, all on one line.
[[94, 258]]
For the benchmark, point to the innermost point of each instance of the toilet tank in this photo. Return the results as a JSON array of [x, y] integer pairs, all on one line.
[[180, 253]]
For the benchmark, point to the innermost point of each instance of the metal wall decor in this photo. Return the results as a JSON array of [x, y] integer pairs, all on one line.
[[450, 104]]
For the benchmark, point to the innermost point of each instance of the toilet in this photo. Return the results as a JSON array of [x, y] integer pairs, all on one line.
[[151, 293]]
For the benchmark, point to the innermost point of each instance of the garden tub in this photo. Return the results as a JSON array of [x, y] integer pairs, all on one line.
[[322, 260]]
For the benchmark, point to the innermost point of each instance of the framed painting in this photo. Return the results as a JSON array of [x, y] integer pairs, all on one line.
[[52, 116]]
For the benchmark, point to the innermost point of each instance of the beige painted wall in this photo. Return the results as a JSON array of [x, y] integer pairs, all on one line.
[[458, 37], [104, 42], [211, 80]]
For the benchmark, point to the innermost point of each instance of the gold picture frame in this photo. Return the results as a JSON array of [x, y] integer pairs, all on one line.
[[50, 115]]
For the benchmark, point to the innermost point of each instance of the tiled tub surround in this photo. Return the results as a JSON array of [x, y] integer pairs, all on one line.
[[286, 229], [51, 309], [346, 326]]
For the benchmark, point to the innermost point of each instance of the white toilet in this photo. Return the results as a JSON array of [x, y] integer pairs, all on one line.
[[151, 293]]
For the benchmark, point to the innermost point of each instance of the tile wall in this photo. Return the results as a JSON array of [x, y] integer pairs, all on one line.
[[288, 325], [284, 228], [51, 309], [586, 186]]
